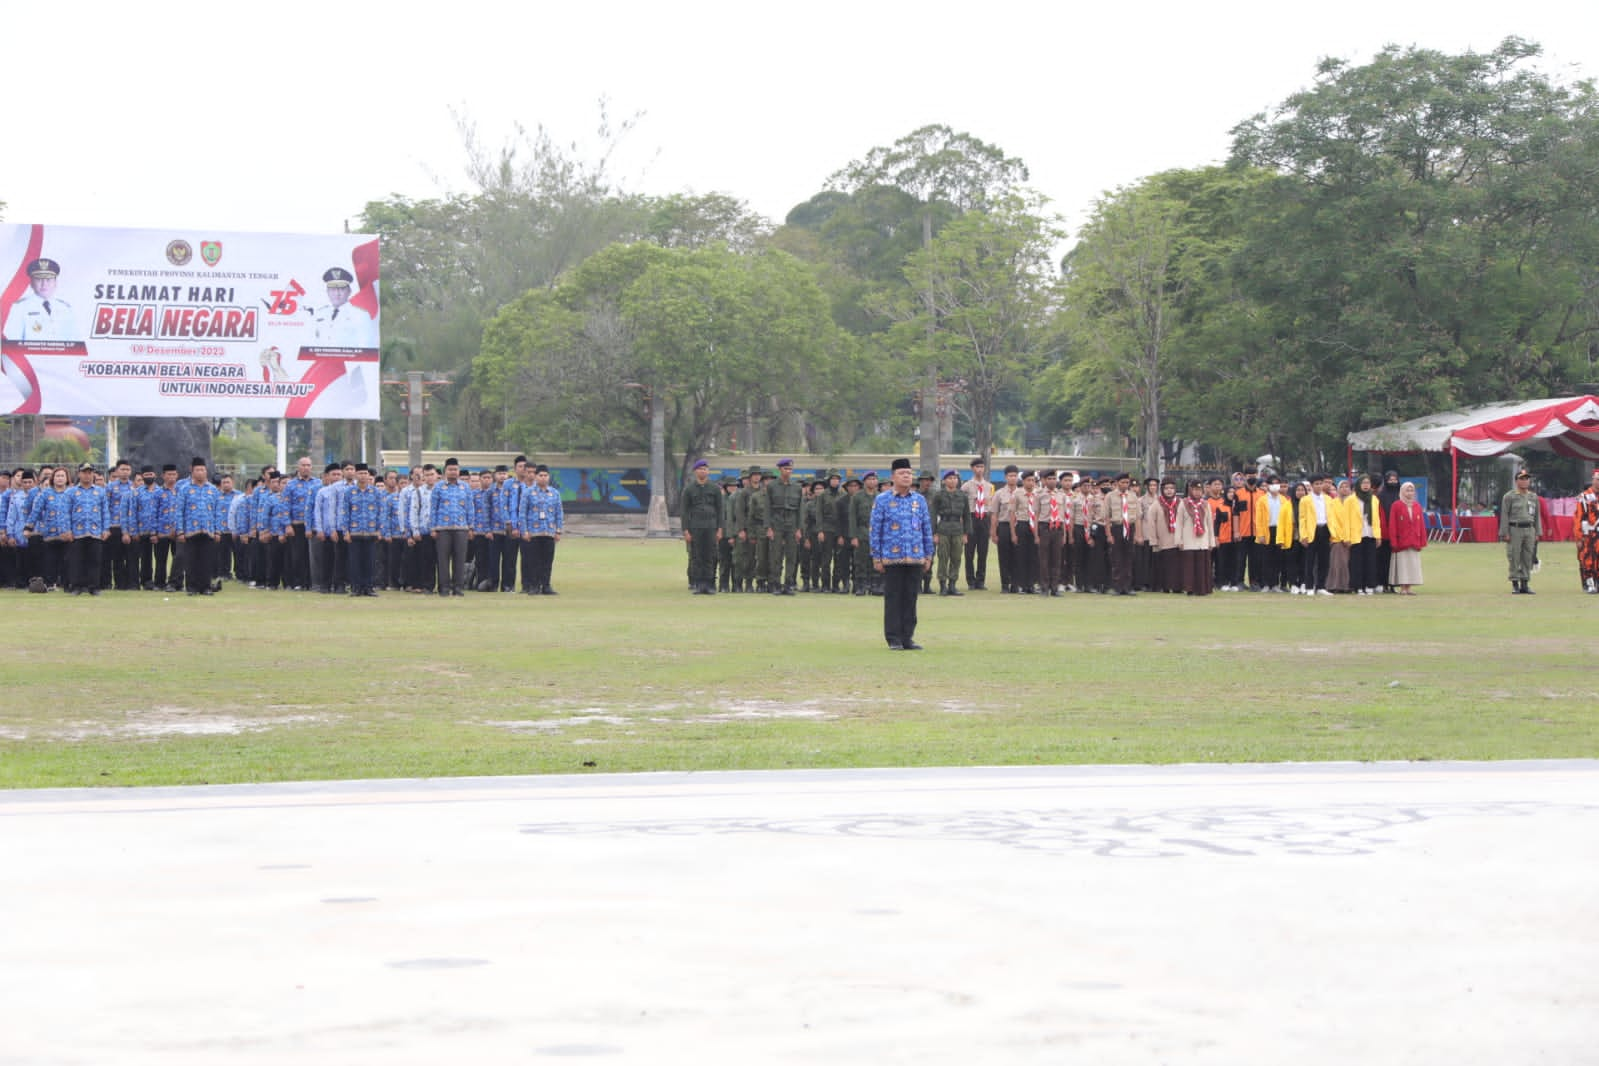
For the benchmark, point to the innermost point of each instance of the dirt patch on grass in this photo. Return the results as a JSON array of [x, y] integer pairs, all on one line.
[[167, 721], [723, 711]]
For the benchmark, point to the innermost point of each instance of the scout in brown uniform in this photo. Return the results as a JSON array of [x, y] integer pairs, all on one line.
[[1024, 534], [1004, 511], [1143, 550], [1196, 537], [1093, 571], [1121, 530], [980, 491], [1163, 539], [1051, 534]]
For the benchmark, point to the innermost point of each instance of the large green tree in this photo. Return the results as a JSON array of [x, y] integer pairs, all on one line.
[[1433, 240], [978, 302], [938, 174], [705, 332]]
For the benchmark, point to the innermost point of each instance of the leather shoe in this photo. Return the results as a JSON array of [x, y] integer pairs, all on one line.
[[911, 645], [895, 645]]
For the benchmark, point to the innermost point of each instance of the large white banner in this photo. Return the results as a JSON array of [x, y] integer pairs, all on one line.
[[187, 322]]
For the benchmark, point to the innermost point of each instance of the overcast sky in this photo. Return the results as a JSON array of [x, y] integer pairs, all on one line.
[[290, 116]]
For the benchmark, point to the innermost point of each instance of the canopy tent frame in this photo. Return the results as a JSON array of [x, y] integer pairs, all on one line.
[[1566, 425]]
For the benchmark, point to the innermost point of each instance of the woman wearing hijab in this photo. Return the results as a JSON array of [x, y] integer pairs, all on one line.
[[1365, 531], [1407, 535], [1343, 524], [1388, 495]]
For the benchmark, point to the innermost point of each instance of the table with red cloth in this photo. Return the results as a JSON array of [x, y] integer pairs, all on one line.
[[1485, 528]]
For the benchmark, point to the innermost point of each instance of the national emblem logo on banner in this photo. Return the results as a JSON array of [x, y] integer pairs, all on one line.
[[211, 252], [179, 253]]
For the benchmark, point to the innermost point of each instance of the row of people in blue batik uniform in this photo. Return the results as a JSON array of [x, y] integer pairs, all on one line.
[[437, 531]]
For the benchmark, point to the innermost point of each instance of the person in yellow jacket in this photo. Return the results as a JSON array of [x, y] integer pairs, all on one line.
[[1341, 518], [1315, 536], [1274, 536], [1365, 532]]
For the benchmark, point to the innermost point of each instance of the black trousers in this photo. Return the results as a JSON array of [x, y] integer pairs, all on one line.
[[977, 551], [298, 550], [423, 564], [1007, 555], [363, 564], [901, 585], [394, 562], [486, 554], [273, 562], [450, 545], [510, 550], [83, 563], [1023, 558], [180, 563], [327, 552], [199, 551], [162, 547], [53, 568], [702, 556], [1120, 552], [1317, 557], [114, 561], [540, 562]]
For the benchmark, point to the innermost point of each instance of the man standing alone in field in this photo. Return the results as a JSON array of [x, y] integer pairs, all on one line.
[[702, 522], [902, 551]]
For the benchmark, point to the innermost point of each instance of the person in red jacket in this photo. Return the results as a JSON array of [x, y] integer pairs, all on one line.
[[1407, 535]]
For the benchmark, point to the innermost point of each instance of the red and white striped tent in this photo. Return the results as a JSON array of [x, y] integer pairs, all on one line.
[[1567, 425]]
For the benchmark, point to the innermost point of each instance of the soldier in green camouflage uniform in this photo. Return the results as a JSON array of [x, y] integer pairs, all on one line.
[[1519, 526], [951, 511], [860, 533]]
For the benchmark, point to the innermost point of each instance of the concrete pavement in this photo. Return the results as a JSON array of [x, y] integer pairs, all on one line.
[[1325, 913]]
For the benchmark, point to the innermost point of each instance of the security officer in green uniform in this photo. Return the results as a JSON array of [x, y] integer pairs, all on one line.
[[826, 537], [724, 548], [951, 511], [860, 535], [744, 550], [702, 527], [1520, 524], [757, 522], [786, 500], [810, 533], [924, 486]]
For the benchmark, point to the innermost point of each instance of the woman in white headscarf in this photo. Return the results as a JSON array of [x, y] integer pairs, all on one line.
[[1407, 535]]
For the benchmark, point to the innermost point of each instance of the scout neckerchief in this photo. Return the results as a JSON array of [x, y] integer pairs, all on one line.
[[1032, 511], [1170, 506], [1197, 509], [1125, 531], [1054, 510], [980, 506]]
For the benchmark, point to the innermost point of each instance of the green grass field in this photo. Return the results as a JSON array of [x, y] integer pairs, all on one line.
[[625, 671]]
